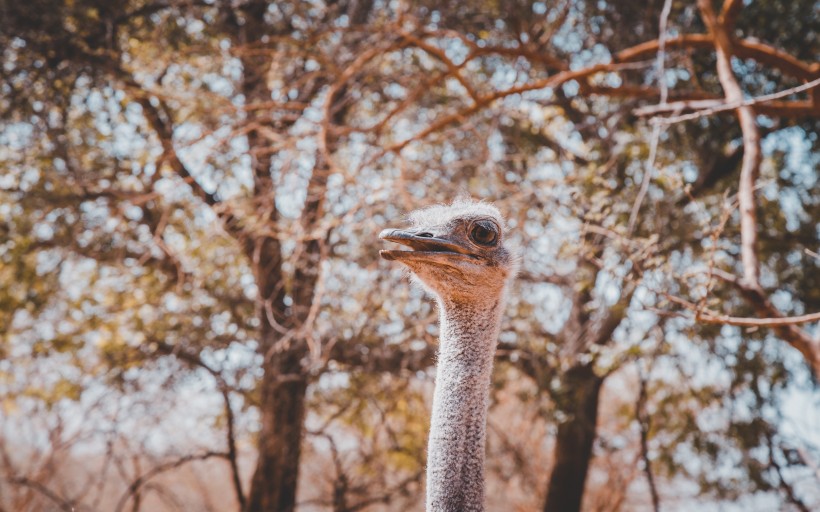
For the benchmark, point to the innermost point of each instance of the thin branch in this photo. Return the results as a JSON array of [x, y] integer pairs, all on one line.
[[744, 49], [225, 390], [729, 12], [64, 504], [534, 54], [164, 133], [661, 60], [453, 69], [784, 485], [232, 451], [647, 177], [789, 332], [643, 92], [712, 318], [785, 327], [656, 129], [644, 424], [710, 107], [486, 100], [141, 480], [707, 316], [158, 116]]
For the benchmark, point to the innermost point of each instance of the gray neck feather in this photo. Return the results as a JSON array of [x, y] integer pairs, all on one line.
[[455, 454]]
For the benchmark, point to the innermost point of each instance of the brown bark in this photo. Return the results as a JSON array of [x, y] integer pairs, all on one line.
[[282, 406], [700, 108], [576, 435]]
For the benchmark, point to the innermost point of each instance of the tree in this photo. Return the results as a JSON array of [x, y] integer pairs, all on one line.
[[192, 183]]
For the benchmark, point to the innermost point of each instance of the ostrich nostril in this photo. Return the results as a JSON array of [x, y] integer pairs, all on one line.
[[425, 235]]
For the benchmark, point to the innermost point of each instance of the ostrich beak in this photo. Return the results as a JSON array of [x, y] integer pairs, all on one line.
[[422, 248]]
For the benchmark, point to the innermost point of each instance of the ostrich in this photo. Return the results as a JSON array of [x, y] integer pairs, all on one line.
[[457, 252]]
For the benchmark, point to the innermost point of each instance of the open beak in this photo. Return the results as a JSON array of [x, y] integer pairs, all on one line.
[[422, 248]]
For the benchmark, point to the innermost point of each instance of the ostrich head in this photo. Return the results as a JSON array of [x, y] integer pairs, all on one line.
[[457, 251]]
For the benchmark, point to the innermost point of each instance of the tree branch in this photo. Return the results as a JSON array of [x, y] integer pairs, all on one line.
[[65, 505], [224, 389], [729, 12], [452, 69], [137, 484], [785, 327], [750, 166], [158, 116], [163, 129], [783, 484], [656, 130], [710, 107], [744, 49], [709, 317], [485, 100], [644, 425]]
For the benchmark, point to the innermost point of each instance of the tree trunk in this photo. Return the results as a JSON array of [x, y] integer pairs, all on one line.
[[282, 407], [286, 376], [576, 435], [284, 381]]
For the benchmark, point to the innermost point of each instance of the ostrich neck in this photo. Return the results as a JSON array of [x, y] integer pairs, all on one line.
[[455, 454]]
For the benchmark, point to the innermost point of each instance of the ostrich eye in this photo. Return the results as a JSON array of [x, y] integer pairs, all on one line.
[[484, 233]]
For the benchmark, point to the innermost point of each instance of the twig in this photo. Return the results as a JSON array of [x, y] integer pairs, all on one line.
[[785, 486], [710, 107], [715, 236], [145, 477], [225, 390], [644, 424], [667, 8], [487, 100], [64, 505], [712, 318], [708, 316], [744, 49], [656, 129], [796, 337]]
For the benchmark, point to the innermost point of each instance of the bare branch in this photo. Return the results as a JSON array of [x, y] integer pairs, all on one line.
[[707, 316], [486, 100], [744, 48], [225, 390], [64, 504], [452, 69], [709, 107], [713, 318], [785, 327], [783, 484], [141, 480], [644, 424], [656, 131], [164, 133], [750, 168]]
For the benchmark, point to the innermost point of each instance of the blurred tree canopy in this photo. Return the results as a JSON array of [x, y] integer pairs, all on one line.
[[194, 317]]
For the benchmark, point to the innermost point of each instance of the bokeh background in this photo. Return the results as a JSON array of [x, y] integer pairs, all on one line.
[[194, 317]]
